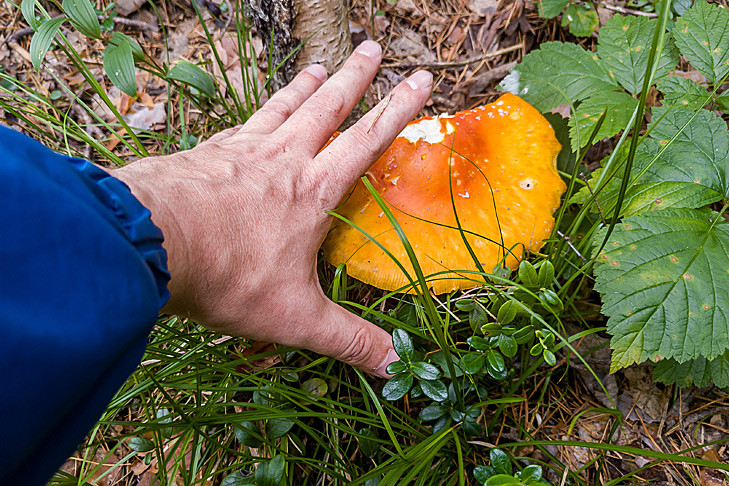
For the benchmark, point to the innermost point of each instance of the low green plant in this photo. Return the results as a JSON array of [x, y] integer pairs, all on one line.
[[501, 473], [657, 231]]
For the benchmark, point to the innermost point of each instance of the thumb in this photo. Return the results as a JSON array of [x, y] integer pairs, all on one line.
[[353, 340]]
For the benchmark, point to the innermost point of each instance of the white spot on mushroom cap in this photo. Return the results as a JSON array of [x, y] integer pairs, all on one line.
[[527, 183], [429, 130]]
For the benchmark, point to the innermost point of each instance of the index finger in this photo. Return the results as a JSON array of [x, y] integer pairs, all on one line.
[[347, 158]]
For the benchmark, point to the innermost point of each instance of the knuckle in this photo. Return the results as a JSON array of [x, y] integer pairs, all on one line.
[[357, 350]]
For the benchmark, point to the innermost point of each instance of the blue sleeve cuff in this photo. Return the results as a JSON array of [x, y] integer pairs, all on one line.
[[84, 275]]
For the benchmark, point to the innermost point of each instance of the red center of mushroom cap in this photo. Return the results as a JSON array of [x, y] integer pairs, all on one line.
[[503, 185]]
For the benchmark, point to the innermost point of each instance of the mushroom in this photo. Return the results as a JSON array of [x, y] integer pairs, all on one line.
[[504, 187]]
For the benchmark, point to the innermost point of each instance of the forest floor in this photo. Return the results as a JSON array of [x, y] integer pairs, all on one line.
[[469, 47]]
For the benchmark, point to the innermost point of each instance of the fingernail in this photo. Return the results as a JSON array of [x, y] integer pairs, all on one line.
[[420, 80], [369, 48], [390, 358], [318, 71]]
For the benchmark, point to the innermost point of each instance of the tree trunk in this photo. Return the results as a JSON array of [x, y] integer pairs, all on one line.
[[322, 26]]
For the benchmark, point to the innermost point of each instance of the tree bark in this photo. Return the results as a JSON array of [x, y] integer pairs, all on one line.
[[321, 25]]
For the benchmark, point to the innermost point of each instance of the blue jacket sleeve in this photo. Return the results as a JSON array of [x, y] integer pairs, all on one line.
[[83, 275]]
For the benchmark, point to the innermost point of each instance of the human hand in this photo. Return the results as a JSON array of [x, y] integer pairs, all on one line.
[[243, 214]]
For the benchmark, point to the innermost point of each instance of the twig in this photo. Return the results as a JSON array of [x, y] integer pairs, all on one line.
[[569, 243], [18, 34], [437, 65], [628, 11], [137, 24], [381, 110]]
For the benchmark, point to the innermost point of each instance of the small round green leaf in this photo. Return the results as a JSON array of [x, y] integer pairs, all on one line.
[[495, 362], [500, 461], [140, 444], [531, 473], [425, 371], [396, 367], [397, 387], [192, 75], [432, 412], [465, 305], [271, 473], [470, 426], [248, 434], [507, 345], [367, 443], [477, 342], [549, 357], [546, 274], [473, 363], [315, 386], [483, 473], [528, 275], [403, 345], [276, 428], [503, 480], [237, 479], [507, 312], [435, 390]]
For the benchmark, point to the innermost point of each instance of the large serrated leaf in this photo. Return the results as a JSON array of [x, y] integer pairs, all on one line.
[[556, 74], [664, 279], [551, 8], [678, 90], [702, 35], [192, 75], [624, 46], [619, 108], [699, 372], [82, 15], [42, 40], [119, 67]]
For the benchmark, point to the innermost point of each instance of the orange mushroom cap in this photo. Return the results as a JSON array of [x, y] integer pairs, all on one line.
[[501, 158]]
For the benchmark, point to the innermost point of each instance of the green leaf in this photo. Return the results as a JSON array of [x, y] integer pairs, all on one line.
[[507, 346], [192, 75], [483, 473], [471, 426], [619, 108], [663, 277], [702, 35], [531, 473], [500, 461], [276, 428], [465, 305], [396, 367], [549, 357], [551, 8], [473, 363], [315, 386], [119, 67], [698, 372], [367, 443], [27, 8], [248, 434], [83, 16], [507, 311], [678, 90], [581, 19], [403, 345], [477, 342], [397, 387], [551, 301], [527, 274], [556, 74], [140, 444], [118, 39], [42, 40], [435, 390], [425, 371], [624, 46], [432, 412], [237, 479], [503, 480], [495, 365], [271, 473], [546, 274]]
